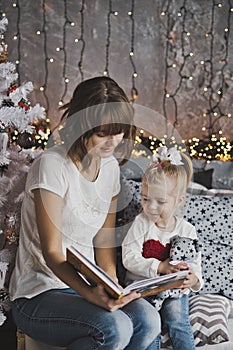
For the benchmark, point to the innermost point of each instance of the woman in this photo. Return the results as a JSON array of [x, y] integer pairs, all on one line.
[[70, 199]]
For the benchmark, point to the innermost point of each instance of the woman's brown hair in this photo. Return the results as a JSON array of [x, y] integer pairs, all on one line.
[[97, 104]]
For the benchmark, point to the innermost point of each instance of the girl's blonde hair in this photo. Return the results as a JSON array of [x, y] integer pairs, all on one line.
[[157, 172], [97, 104]]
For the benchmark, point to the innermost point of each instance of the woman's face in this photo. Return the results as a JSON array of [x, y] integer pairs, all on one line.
[[103, 145]]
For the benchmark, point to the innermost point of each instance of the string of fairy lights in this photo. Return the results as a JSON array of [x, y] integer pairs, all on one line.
[[134, 91], [43, 31], [111, 12], [17, 37], [81, 40], [213, 145], [215, 112], [179, 57]]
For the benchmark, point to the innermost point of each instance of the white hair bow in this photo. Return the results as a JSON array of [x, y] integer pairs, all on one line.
[[170, 154]]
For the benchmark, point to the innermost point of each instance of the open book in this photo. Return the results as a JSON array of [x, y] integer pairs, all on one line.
[[94, 274]]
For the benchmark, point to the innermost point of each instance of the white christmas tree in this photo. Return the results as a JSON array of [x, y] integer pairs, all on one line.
[[16, 115], [16, 111]]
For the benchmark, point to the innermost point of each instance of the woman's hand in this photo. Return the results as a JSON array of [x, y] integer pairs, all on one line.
[[98, 296]]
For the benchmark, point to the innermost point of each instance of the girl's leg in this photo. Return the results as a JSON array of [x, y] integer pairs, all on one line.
[[64, 319], [175, 317]]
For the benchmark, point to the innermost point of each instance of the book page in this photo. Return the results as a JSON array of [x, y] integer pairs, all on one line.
[[157, 281]]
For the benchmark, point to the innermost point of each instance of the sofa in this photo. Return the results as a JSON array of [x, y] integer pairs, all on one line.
[[209, 207]]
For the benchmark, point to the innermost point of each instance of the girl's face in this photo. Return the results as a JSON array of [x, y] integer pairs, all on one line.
[[159, 202], [103, 145]]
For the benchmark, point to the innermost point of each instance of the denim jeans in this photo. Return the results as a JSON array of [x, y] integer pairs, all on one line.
[[175, 318], [64, 318]]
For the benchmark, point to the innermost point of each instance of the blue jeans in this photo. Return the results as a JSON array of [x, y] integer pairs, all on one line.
[[64, 318], [175, 318]]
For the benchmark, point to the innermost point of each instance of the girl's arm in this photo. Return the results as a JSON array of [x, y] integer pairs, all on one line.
[[132, 257], [48, 208]]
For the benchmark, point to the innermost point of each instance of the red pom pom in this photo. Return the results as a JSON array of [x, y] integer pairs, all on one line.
[[155, 249]]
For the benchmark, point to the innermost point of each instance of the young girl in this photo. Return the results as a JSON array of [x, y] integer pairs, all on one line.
[[146, 247], [70, 199]]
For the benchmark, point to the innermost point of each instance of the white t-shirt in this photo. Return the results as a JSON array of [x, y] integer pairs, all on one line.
[[143, 230], [85, 207]]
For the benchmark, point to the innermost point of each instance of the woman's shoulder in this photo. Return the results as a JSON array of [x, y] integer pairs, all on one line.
[[110, 164], [110, 161], [50, 161]]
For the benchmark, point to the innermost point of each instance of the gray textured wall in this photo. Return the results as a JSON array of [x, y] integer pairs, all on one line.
[[149, 53]]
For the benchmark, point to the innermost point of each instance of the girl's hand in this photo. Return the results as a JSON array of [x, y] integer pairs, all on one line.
[[190, 281], [98, 296], [165, 267]]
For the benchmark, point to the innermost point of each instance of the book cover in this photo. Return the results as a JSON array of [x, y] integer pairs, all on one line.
[[94, 274]]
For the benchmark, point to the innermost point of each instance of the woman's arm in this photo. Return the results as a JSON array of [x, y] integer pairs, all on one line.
[[48, 208], [105, 244]]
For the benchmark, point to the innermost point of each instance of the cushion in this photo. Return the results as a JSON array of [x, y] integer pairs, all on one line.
[[129, 203], [208, 318], [222, 174], [204, 177], [213, 217], [135, 168]]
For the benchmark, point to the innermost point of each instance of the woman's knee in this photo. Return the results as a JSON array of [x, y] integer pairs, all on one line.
[[142, 313], [118, 331]]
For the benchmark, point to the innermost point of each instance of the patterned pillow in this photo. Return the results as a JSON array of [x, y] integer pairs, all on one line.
[[213, 218], [208, 318], [129, 205]]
